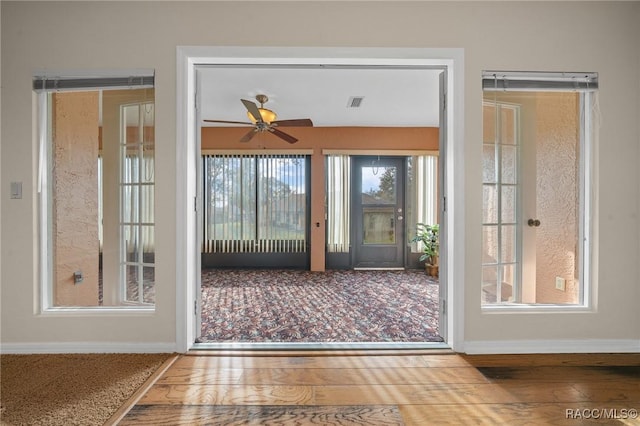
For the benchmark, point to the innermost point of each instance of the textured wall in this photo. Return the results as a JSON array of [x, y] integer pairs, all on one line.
[[75, 197], [557, 166]]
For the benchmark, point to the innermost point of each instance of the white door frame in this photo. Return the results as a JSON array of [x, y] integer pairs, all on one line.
[[187, 154]]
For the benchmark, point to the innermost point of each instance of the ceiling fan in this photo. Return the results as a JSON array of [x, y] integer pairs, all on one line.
[[264, 120]]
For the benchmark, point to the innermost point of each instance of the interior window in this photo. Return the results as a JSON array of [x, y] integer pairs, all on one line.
[[536, 174], [96, 185]]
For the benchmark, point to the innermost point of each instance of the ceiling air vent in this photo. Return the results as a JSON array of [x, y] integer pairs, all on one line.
[[355, 101]]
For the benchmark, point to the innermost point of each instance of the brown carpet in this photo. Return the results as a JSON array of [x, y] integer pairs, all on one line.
[[70, 389], [331, 306]]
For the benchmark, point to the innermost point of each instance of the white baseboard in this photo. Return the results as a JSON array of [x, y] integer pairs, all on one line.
[[86, 347], [469, 347], [551, 346]]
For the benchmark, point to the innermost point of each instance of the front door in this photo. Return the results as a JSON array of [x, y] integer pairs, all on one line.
[[378, 210]]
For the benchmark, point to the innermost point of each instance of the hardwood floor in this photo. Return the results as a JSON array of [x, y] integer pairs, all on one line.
[[378, 388]]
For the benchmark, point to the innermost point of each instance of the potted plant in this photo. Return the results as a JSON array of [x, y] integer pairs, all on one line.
[[427, 235]]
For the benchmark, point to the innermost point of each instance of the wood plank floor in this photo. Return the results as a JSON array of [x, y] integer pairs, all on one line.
[[408, 388]]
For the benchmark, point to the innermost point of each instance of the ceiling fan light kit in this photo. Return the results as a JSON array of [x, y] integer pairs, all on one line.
[[265, 120], [267, 116]]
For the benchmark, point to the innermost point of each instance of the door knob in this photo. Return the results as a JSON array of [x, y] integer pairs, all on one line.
[[400, 218], [533, 222]]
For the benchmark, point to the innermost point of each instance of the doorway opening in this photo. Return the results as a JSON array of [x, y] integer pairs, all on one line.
[[192, 119]]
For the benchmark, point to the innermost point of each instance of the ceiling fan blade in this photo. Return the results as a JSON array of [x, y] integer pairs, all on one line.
[[283, 135], [249, 135], [253, 109], [229, 122], [300, 122]]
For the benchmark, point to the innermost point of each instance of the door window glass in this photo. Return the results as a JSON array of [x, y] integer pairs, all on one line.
[[378, 185], [378, 225]]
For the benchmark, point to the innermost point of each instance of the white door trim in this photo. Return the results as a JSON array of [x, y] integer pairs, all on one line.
[[189, 57]]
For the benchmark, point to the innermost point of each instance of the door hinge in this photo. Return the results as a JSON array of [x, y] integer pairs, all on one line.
[[444, 204], [195, 307], [195, 203], [444, 306]]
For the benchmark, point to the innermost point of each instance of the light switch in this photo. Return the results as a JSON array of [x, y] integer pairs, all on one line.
[[16, 190]]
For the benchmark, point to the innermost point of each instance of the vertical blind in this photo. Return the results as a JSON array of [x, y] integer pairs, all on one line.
[[255, 203], [422, 194], [338, 203]]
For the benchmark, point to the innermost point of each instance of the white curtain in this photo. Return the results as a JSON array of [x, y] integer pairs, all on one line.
[[423, 194], [338, 203], [147, 204], [130, 203], [138, 203]]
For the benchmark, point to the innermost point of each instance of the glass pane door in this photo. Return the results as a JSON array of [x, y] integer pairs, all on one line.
[[500, 189], [137, 177], [379, 212]]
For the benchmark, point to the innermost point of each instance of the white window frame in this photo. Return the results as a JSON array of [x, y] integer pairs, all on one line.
[[586, 84], [45, 83]]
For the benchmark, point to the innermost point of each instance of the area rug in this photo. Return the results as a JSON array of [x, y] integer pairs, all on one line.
[[70, 389], [361, 415], [331, 306]]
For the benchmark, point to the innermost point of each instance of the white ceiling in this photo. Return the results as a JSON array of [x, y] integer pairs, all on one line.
[[392, 97]]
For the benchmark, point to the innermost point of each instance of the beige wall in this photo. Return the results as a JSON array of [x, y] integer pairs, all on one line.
[[556, 36], [319, 138]]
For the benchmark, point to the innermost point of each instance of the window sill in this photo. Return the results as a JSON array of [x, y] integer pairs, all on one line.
[[93, 311], [535, 308]]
